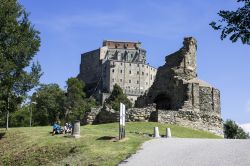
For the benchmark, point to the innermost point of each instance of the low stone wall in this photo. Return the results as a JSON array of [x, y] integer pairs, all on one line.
[[141, 114], [107, 115], [195, 120]]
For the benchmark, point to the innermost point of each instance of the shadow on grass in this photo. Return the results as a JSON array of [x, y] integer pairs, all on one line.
[[2, 134], [111, 138]]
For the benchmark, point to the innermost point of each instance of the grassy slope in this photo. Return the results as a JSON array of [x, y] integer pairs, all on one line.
[[97, 146]]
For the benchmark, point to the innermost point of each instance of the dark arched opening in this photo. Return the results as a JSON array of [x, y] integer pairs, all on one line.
[[163, 102]]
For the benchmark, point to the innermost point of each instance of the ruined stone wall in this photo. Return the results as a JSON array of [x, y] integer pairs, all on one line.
[[180, 97]]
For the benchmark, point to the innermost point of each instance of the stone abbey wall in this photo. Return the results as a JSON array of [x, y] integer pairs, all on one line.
[[117, 62], [176, 96]]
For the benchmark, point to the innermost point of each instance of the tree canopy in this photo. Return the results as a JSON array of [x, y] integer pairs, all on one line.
[[235, 24], [233, 131], [117, 96], [19, 42]]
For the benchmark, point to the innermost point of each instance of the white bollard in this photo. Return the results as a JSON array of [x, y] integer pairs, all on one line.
[[168, 133], [156, 132]]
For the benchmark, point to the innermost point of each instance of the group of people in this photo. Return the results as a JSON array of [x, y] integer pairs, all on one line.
[[57, 129]]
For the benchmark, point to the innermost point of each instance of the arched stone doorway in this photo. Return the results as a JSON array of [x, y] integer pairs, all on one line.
[[163, 102]]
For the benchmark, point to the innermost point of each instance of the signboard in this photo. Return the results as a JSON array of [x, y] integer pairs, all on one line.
[[122, 121]]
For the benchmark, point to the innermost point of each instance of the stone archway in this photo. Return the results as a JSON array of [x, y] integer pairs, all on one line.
[[163, 102]]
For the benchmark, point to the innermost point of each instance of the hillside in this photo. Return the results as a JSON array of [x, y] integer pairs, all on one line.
[[98, 144]]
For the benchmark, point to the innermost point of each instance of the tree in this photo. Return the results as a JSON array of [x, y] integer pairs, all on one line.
[[235, 23], [117, 96], [49, 104], [19, 42], [75, 103], [233, 131]]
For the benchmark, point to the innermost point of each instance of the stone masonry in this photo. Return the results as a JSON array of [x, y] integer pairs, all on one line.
[[180, 97], [116, 62], [177, 96]]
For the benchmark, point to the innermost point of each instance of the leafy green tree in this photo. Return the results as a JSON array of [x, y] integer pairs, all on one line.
[[235, 23], [21, 117], [19, 42], [76, 103], [49, 104], [117, 96], [233, 131]]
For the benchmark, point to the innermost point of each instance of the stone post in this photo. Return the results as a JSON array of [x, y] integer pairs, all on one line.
[[156, 132], [76, 129], [168, 133]]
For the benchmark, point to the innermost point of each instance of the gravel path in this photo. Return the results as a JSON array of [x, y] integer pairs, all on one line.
[[191, 152]]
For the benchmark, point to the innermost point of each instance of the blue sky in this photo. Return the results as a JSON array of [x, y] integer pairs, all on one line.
[[69, 28]]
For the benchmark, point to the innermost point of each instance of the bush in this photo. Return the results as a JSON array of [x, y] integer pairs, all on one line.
[[233, 131], [20, 118], [117, 96]]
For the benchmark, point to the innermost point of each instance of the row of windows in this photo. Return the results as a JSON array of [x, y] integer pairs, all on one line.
[[130, 72], [139, 65], [129, 81]]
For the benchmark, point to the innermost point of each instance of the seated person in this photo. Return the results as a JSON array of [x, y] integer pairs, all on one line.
[[67, 128], [56, 129]]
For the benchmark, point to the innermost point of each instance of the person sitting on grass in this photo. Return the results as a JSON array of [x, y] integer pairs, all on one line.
[[56, 129], [67, 128]]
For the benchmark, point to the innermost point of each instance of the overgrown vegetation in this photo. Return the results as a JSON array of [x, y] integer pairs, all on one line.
[[117, 96], [234, 131], [98, 144]]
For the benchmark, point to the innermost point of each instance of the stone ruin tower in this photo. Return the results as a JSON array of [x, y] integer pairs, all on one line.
[[180, 97]]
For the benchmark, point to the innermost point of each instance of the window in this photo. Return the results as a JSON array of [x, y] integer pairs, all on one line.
[[137, 65], [121, 64], [120, 80], [113, 70], [137, 72], [129, 81], [142, 73], [146, 83], [137, 82], [142, 65], [113, 80], [147, 74], [130, 64], [120, 71], [151, 77], [129, 71]]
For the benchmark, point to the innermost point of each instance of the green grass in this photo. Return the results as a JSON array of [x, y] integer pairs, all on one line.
[[97, 145]]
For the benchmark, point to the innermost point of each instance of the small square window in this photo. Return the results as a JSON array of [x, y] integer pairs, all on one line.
[[120, 80], [142, 73], [137, 65], [129, 81], [113, 80], [113, 70], [137, 82], [137, 72], [130, 64], [121, 63], [120, 71], [129, 71]]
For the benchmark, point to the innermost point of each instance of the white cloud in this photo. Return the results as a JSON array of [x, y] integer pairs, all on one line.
[[246, 127]]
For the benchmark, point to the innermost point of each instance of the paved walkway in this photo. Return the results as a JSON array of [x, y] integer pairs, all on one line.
[[191, 152]]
